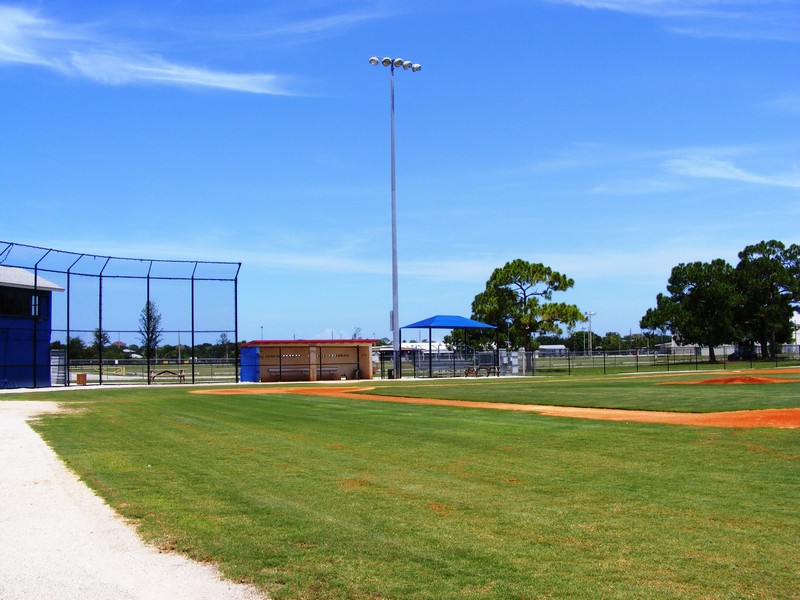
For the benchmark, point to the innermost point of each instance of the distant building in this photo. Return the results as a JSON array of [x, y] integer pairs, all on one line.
[[551, 350], [411, 351], [25, 327]]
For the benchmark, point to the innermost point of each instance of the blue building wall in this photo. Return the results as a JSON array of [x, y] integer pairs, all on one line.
[[21, 339]]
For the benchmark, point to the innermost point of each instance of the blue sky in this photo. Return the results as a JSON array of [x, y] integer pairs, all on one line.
[[607, 139]]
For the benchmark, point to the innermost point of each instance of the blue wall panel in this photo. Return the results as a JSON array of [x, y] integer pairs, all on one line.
[[250, 364]]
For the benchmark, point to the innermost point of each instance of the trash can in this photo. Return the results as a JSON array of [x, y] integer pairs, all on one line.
[[390, 373], [81, 378]]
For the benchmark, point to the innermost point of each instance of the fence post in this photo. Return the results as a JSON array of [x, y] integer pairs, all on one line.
[[604, 363]]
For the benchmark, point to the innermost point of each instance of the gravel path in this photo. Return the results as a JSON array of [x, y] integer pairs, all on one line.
[[60, 541]]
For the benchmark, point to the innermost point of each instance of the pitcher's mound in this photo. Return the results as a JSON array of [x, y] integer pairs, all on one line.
[[737, 380]]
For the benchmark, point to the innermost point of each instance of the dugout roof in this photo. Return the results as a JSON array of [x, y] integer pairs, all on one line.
[[21, 278], [448, 322]]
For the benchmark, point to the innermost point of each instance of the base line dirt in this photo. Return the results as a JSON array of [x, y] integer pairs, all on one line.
[[783, 418]]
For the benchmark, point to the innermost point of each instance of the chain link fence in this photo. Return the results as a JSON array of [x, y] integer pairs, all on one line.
[[531, 364], [54, 304]]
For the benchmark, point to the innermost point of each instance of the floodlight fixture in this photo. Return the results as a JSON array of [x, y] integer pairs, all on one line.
[[388, 61]]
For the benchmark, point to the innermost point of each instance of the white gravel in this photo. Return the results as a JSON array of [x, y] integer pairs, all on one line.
[[58, 540]]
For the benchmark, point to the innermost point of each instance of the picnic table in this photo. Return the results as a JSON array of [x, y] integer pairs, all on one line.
[[180, 374]]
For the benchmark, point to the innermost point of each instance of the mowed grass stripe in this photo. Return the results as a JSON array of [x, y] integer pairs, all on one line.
[[313, 497]]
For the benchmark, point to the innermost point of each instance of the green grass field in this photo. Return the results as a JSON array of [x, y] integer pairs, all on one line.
[[312, 497]]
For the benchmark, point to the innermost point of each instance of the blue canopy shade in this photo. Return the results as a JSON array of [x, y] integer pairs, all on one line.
[[448, 322]]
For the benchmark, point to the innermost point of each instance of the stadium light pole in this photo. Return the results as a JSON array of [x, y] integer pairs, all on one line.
[[395, 315], [590, 315]]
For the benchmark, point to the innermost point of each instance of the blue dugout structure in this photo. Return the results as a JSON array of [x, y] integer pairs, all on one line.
[[25, 328]]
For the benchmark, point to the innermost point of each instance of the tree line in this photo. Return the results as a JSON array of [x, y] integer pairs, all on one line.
[[518, 301], [714, 303], [707, 303], [150, 335]]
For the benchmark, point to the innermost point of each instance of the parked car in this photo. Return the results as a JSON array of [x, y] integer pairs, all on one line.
[[743, 354]]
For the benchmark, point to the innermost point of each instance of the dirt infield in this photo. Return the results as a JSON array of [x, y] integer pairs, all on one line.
[[784, 418]]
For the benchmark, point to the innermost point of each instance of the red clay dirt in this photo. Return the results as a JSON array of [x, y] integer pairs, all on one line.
[[744, 380], [736, 380], [783, 418]]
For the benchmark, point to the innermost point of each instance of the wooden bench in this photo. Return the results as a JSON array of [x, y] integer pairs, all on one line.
[[301, 371], [180, 374], [277, 370]]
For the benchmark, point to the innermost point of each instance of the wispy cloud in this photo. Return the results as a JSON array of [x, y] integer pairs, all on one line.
[[342, 257], [638, 171], [712, 168], [636, 187], [124, 69], [788, 103], [326, 24], [741, 19], [26, 38]]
